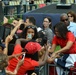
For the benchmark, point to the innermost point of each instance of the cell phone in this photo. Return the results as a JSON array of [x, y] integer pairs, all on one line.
[[29, 36], [23, 56]]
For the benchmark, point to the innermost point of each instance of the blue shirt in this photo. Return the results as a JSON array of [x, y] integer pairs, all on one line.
[[72, 28]]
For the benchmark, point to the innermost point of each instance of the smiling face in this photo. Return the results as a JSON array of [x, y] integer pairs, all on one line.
[[30, 32]]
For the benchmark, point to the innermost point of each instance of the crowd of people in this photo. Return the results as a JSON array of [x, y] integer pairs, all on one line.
[[27, 47]]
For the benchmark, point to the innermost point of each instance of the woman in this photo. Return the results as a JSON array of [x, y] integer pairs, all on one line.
[[71, 16], [67, 42], [30, 32], [47, 24]]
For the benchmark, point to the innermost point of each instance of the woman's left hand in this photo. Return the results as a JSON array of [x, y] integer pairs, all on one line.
[[54, 55], [17, 55]]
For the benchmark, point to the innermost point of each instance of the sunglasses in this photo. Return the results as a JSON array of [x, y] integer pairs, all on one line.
[[70, 16], [46, 21], [64, 20], [33, 27]]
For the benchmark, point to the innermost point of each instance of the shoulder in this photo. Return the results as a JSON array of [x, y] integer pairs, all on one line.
[[17, 49], [70, 34], [72, 23]]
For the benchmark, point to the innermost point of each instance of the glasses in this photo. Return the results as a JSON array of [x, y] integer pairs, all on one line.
[[70, 16], [64, 20], [33, 27], [46, 21]]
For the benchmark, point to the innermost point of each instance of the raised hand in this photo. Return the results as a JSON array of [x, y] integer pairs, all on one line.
[[8, 39]]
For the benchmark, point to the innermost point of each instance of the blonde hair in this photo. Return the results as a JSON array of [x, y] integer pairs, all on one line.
[[3, 61]]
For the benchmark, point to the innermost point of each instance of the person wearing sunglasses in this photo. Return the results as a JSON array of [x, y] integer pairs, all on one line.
[[70, 25], [71, 16], [66, 40]]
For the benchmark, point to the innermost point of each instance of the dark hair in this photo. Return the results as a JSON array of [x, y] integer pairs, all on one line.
[[22, 26], [31, 20], [43, 37], [62, 29], [72, 14], [24, 33], [49, 19]]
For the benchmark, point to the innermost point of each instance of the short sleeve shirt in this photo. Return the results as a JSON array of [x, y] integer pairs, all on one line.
[[62, 42], [28, 64]]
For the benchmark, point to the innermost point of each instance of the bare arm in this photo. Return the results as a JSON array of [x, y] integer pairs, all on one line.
[[16, 27], [42, 62], [52, 49], [66, 48], [15, 55], [7, 40], [18, 41]]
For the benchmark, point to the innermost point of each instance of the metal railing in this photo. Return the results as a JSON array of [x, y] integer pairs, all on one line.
[[19, 9]]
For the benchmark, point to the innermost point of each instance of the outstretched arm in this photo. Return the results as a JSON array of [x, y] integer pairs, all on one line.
[[15, 55], [7, 40], [16, 27], [43, 61]]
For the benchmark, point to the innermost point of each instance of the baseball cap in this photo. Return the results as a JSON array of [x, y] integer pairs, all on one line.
[[32, 47], [1, 44]]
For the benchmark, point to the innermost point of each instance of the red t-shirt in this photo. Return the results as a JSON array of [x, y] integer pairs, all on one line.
[[29, 64], [63, 42]]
